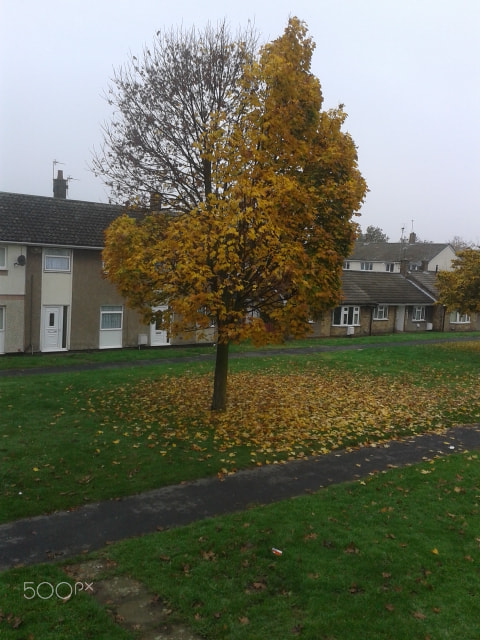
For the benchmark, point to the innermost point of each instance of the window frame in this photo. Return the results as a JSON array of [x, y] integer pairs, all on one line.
[[3, 265], [3, 313], [390, 267], [380, 312], [57, 253], [111, 310], [418, 310], [346, 312], [460, 318], [366, 266]]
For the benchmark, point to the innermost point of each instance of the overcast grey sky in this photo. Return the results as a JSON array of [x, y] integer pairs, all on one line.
[[407, 71]]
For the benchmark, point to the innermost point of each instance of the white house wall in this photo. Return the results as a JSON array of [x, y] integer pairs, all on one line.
[[12, 296], [56, 292], [443, 260], [13, 281], [381, 267]]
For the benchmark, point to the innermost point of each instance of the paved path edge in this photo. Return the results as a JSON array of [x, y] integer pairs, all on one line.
[[64, 534]]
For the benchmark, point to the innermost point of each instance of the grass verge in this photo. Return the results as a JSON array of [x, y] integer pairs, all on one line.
[[72, 438], [392, 556], [155, 354]]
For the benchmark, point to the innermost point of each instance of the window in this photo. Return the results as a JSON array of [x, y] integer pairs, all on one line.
[[3, 257], [343, 316], [380, 312], [459, 318], [390, 267], [346, 264], [111, 317], [418, 314], [57, 259], [366, 266]]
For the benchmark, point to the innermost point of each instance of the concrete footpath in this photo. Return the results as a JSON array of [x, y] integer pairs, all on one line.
[[64, 534]]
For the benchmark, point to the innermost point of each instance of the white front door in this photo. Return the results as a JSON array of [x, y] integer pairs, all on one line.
[[52, 328], [158, 337], [400, 318]]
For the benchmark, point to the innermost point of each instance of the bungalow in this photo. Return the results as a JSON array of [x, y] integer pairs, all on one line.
[[391, 287], [376, 303], [447, 321]]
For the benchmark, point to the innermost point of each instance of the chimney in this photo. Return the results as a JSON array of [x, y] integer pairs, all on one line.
[[155, 201], [412, 238], [60, 186]]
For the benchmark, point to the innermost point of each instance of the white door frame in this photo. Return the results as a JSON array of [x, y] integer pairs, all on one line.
[[400, 318], [52, 328], [158, 337]]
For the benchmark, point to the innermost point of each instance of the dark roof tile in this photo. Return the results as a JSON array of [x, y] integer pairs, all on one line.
[[396, 251], [370, 287], [41, 220]]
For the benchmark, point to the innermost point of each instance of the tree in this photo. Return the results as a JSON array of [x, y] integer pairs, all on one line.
[[164, 105], [458, 243], [261, 254], [460, 288], [373, 234]]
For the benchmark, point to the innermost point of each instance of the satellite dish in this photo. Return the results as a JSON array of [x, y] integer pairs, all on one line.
[[21, 260]]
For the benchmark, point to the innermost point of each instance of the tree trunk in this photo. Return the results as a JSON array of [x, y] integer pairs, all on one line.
[[219, 398]]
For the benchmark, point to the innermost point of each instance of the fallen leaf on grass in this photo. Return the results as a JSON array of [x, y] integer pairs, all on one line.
[[310, 536], [13, 621], [354, 589], [276, 414], [259, 586], [418, 615]]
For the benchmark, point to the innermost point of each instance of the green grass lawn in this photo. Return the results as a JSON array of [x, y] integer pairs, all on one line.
[[393, 556], [37, 360], [77, 437]]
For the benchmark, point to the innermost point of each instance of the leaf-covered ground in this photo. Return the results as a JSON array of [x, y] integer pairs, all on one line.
[[279, 415]]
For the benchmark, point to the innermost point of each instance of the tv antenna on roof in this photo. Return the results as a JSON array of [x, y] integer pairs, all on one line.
[[54, 163]]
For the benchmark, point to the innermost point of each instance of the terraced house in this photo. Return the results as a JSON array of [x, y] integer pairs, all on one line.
[[53, 296]]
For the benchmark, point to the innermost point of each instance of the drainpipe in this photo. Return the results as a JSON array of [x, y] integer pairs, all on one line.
[[31, 313]]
